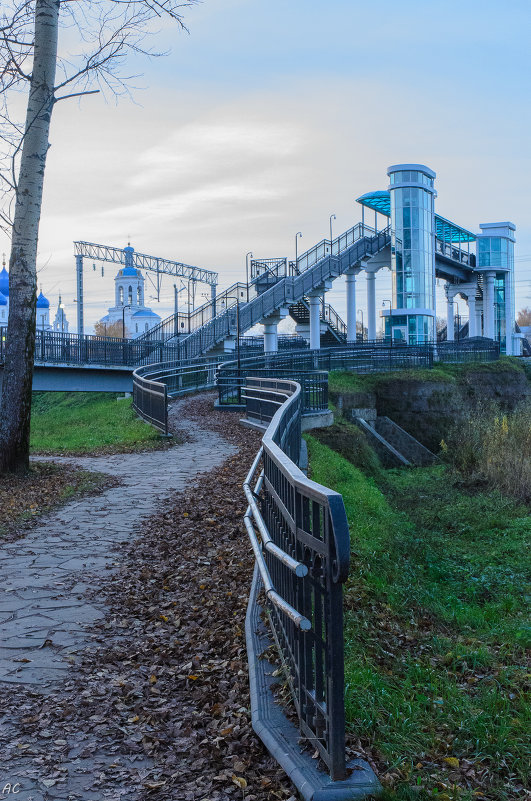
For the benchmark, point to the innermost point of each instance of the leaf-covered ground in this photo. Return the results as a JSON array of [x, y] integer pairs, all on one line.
[[159, 709], [23, 498]]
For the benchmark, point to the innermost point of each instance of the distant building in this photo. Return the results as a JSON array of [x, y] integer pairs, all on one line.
[[43, 313], [60, 323], [43, 304], [129, 300]]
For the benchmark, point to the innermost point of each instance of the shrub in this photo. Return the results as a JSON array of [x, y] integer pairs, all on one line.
[[496, 446]]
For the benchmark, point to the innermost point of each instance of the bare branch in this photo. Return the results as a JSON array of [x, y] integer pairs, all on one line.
[[77, 94]]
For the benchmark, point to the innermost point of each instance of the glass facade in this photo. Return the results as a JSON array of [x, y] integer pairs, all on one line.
[[499, 309], [412, 253], [497, 253]]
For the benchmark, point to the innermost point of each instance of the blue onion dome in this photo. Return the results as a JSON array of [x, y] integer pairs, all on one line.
[[4, 282], [42, 302], [3, 299], [130, 271]]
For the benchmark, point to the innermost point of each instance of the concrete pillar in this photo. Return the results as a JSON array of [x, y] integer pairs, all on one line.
[[351, 307], [371, 305], [315, 322], [488, 305], [450, 323], [472, 316], [270, 337]]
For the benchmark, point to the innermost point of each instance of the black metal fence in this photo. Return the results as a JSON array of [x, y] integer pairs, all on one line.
[[362, 357], [299, 533], [53, 347], [231, 383], [150, 401]]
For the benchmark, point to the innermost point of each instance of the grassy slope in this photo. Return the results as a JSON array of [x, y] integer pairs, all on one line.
[[435, 630], [84, 422], [346, 381]]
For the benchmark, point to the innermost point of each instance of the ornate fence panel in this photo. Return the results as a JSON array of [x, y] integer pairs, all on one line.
[[299, 533]]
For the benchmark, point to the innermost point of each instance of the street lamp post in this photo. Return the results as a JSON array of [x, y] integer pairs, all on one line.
[[127, 306], [247, 271], [299, 233], [238, 355], [360, 311], [384, 301], [332, 217]]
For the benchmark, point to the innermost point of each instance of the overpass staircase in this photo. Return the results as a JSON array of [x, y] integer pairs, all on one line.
[[335, 332], [209, 325]]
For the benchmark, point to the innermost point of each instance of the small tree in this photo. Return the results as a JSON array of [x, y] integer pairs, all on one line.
[[29, 33], [524, 317], [111, 330]]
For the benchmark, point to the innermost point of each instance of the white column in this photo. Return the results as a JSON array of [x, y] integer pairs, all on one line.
[[450, 323], [315, 322], [351, 307], [270, 337], [488, 305], [371, 305], [471, 316]]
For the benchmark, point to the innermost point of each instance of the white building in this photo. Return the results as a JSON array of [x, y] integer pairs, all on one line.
[[60, 323], [129, 300]]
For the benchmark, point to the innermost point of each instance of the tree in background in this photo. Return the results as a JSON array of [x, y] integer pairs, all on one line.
[[524, 317], [107, 32], [111, 330]]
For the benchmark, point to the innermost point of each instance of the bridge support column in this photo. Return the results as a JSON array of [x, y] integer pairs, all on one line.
[[371, 305], [472, 316], [270, 337], [450, 323], [351, 305], [270, 324], [488, 305]]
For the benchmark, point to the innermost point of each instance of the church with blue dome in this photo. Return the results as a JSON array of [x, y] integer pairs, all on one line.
[[129, 300], [43, 305]]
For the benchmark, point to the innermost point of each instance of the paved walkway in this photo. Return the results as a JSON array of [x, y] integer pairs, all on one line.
[[44, 576], [45, 618]]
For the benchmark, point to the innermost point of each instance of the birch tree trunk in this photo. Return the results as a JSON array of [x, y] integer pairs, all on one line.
[[15, 402]]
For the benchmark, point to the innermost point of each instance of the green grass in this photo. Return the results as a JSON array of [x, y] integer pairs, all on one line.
[[87, 422], [436, 627], [346, 381]]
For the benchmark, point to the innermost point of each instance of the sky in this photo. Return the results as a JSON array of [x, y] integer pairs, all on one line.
[[271, 115]]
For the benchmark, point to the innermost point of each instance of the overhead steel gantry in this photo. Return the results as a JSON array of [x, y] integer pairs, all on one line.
[[129, 258]]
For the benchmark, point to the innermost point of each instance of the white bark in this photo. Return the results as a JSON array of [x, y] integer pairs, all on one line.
[[15, 404]]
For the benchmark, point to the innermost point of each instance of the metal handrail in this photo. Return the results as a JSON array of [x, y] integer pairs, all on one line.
[[348, 249], [295, 523]]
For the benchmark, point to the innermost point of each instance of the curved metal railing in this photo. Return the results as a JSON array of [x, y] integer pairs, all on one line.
[[299, 534]]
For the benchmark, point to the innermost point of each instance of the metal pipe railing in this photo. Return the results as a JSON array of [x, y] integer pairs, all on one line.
[[294, 523]]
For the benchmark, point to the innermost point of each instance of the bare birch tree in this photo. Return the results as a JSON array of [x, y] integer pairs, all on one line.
[[106, 32]]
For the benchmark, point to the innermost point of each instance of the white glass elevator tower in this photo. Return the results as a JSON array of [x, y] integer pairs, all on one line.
[[412, 317]]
